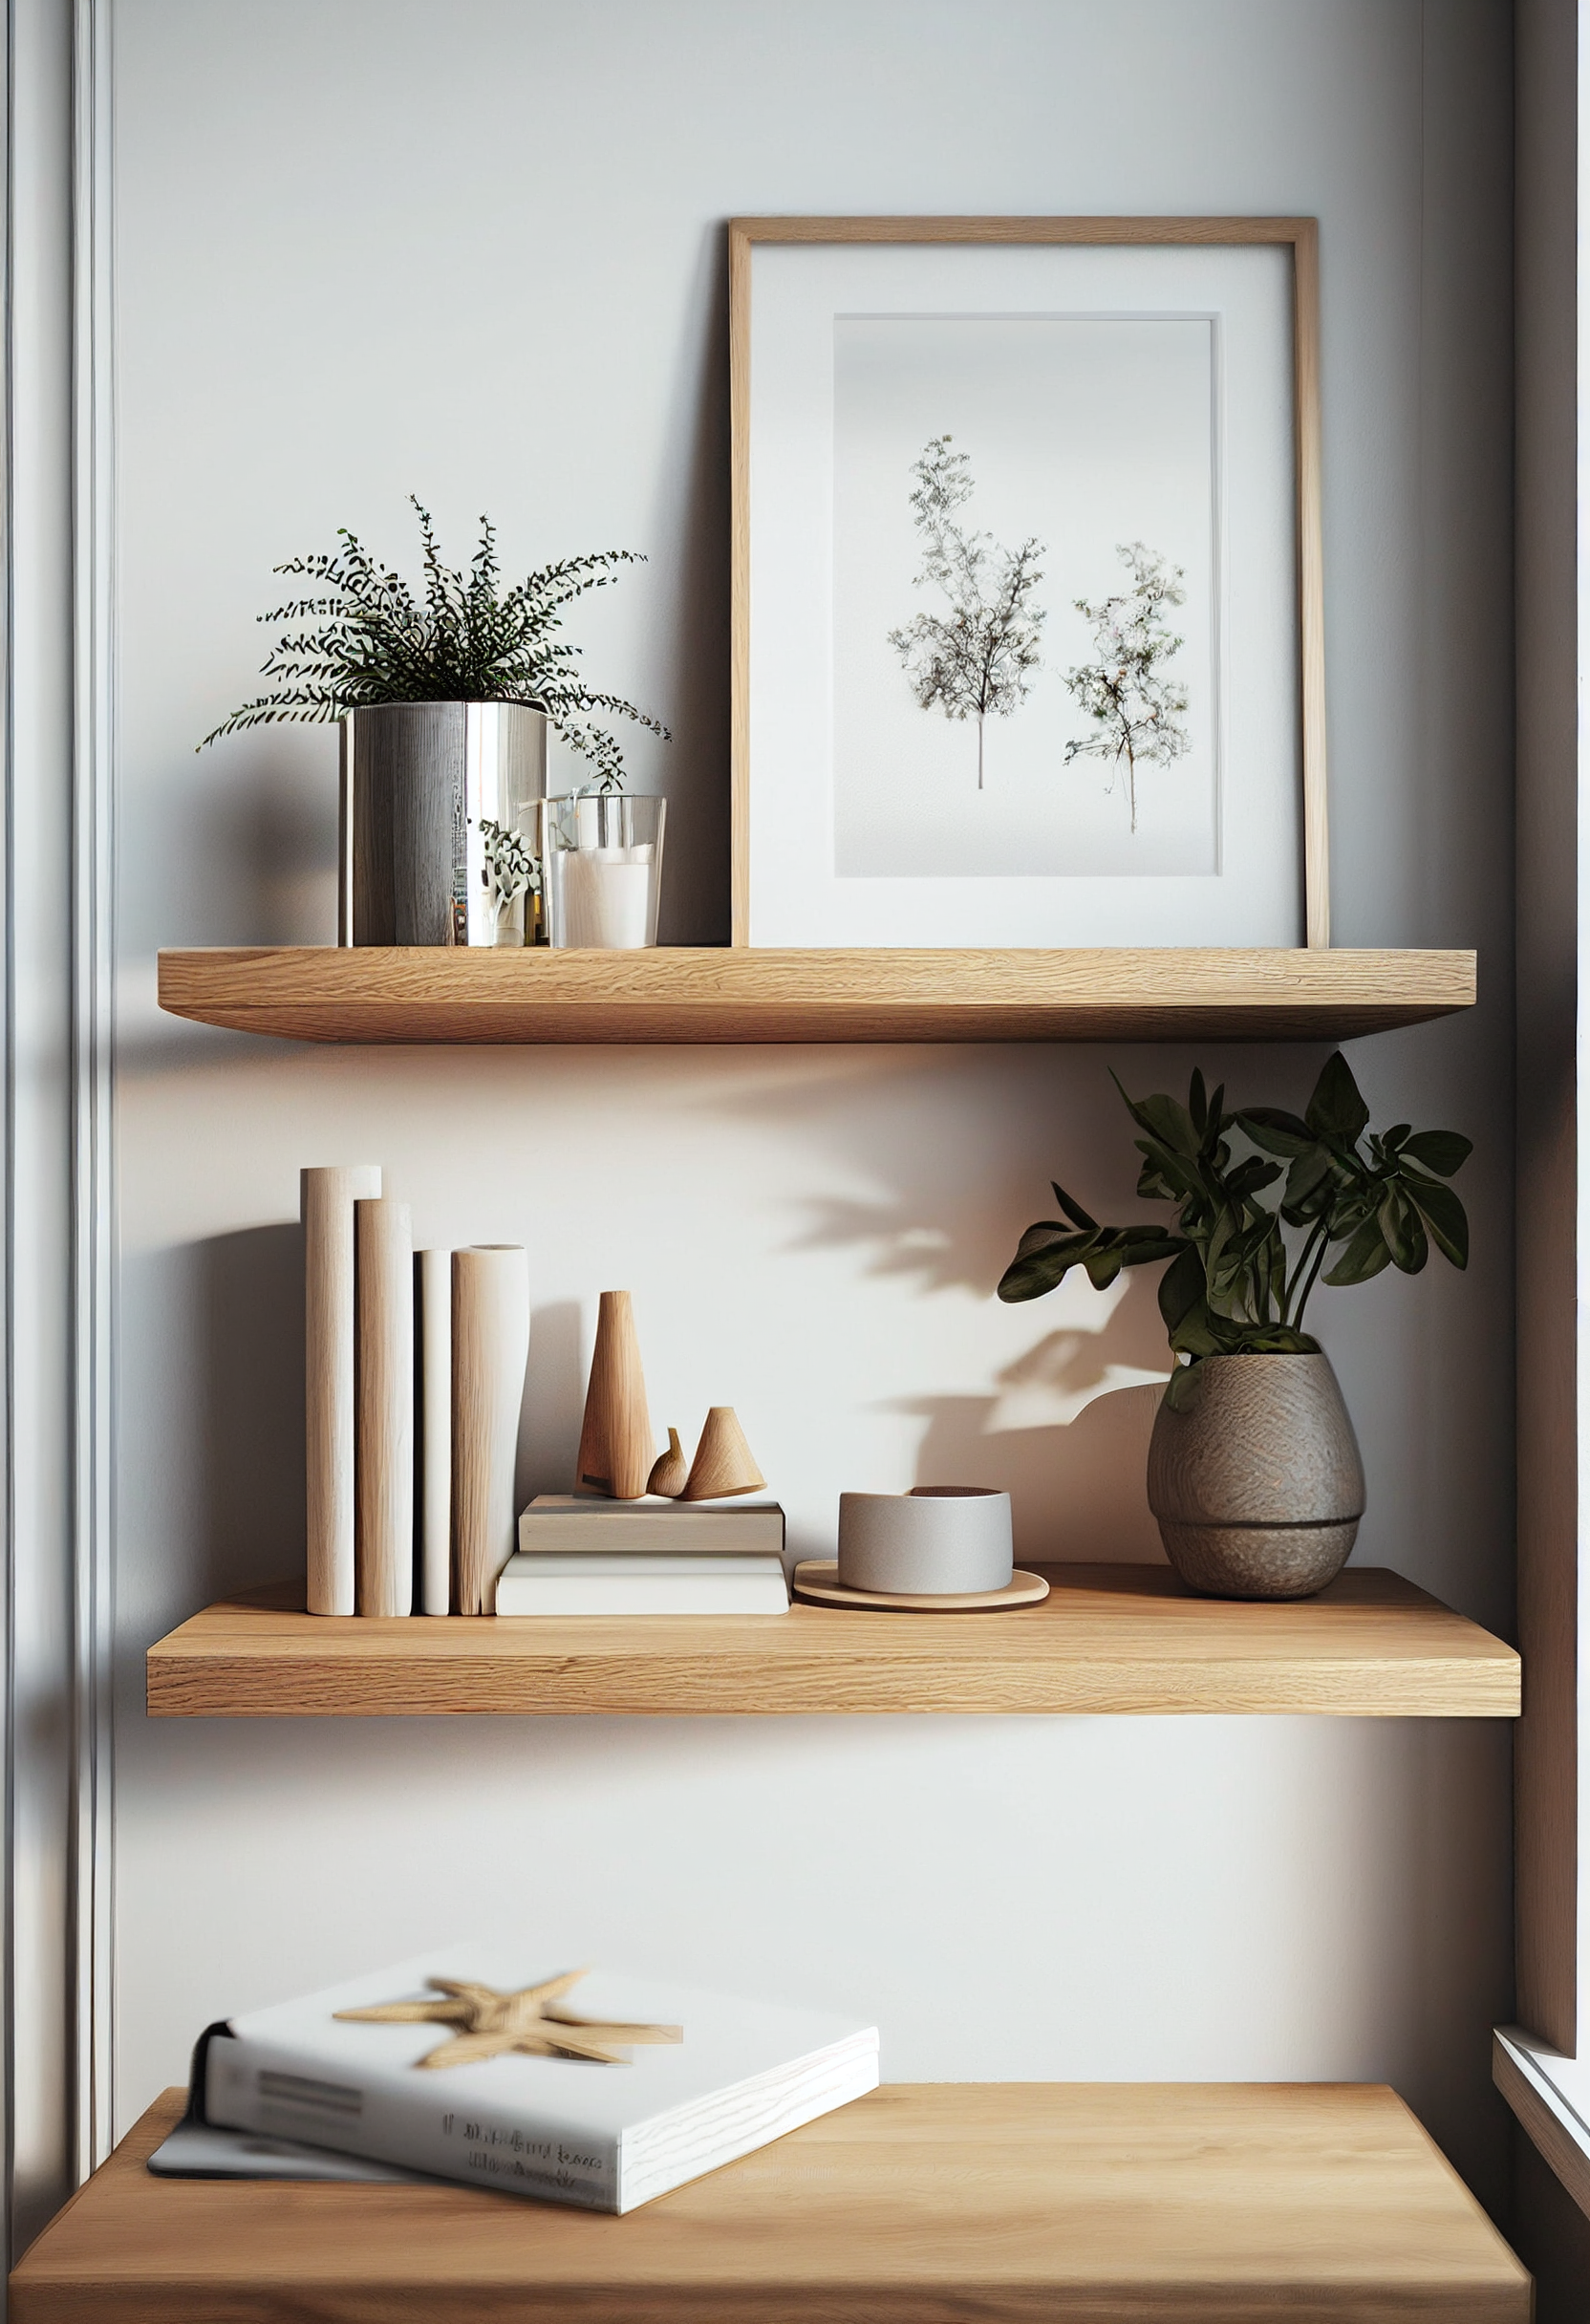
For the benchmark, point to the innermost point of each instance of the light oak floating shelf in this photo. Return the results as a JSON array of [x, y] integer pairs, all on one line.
[[1124, 2202], [1109, 1638], [375, 994]]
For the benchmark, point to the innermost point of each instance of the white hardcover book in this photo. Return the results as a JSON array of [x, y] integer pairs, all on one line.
[[718, 2079], [644, 1582], [202, 2150], [578, 1523]]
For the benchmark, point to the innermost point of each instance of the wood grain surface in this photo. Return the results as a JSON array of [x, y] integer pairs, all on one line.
[[922, 2204], [617, 1449], [818, 1579], [724, 1463], [667, 994], [1548, 2130], [1108, 1638]]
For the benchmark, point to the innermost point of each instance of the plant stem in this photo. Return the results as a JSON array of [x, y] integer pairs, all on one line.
[[1316, 1236], [1297, 1320]]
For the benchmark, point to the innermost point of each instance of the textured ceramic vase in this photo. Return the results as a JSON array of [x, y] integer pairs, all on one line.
[[1255, 1476]]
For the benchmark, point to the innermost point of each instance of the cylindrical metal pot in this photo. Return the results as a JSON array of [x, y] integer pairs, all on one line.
[[438, 832], [1255, 1476]]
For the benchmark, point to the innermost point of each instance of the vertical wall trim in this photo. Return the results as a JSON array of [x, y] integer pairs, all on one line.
[[93, 916], [59, 720]]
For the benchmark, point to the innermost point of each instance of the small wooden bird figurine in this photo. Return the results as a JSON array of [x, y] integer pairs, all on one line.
[[490, 2024]]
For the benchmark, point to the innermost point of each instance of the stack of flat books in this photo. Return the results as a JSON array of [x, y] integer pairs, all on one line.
[[582, 1556]]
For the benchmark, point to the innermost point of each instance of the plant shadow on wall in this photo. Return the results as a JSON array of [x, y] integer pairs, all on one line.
[[1065, 1425], [1074, 1471]]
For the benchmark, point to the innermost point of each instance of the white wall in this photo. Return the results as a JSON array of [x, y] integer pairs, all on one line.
[[476, 250]]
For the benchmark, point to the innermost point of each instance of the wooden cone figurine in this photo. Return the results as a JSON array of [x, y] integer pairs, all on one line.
[[722, 1464], [616, 1445], [668, 1477]]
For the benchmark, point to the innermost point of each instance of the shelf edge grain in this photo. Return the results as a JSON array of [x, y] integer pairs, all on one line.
[[741, 995], [1110, 1640]]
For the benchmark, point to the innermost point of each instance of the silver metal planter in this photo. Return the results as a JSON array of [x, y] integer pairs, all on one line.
[[420, 780]]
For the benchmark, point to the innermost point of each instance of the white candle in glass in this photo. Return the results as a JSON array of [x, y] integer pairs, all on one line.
[[607, 896]]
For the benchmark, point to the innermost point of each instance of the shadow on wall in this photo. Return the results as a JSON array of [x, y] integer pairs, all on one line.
[[1077, 1485], [1076, 1491], [554, 1402], [250, 1315], [271, 834], [694, 904], [251, 1328], [1065, 1431]]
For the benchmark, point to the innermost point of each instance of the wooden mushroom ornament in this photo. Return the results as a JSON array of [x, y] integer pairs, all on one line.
[[724, 1464], [672, 1469]]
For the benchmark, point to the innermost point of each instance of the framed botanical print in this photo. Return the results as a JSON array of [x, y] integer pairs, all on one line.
[[1028, 645]]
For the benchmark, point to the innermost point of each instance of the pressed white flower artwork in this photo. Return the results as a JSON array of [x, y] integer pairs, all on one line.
[[1026, 596]]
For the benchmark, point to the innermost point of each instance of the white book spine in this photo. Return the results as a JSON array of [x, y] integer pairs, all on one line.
[[326, 1205], [385, 1463], [491, 1347], [416, 2122], [435, 1431]]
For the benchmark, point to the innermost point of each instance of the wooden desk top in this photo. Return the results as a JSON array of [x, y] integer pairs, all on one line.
[[921, 2203]]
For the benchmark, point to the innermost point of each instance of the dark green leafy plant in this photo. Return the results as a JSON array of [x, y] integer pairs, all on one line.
[[1235, 1285], [468, 641]]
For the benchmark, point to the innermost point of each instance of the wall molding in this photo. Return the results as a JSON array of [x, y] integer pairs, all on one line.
[[58, 906], [93, 908]]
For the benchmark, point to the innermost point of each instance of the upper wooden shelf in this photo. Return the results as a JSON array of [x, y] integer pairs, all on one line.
[[1109, 1638], [1133, 2202], [378, 994]]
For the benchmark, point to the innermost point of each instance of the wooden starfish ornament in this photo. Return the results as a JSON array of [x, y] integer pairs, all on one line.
[[490, 2024]]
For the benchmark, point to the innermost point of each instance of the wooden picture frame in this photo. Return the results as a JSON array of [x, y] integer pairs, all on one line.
[[1298, 236]]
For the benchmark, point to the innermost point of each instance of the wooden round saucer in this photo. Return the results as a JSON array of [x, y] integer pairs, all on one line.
[[818, 1579]]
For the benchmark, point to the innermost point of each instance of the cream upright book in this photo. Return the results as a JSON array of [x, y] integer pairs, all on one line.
[[499, 2066]]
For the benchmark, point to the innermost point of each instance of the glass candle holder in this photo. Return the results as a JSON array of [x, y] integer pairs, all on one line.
[[601, 866]]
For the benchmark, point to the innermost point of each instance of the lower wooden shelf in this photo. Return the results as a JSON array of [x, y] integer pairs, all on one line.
[[1109, 1638], [923, 2204]]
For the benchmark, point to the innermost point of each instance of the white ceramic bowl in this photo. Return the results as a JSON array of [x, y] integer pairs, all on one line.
[[936, 1541]]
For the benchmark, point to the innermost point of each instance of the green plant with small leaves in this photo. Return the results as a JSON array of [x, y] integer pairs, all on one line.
[[464, 639], [1236, 1284]]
